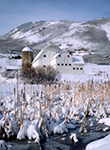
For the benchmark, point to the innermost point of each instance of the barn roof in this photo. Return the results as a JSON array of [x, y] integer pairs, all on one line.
[[78, 60], [59, 54], [39, 54]]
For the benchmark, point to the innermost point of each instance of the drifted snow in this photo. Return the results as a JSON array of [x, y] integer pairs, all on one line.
[[23, 130], [32, 133], [102, 144], [105, 121], [60, 129], [74, 137]]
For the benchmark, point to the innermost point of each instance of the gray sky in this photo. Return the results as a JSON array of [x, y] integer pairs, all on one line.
[[16, 12]]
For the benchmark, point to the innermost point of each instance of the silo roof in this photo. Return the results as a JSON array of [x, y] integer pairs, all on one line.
[[26, 49]]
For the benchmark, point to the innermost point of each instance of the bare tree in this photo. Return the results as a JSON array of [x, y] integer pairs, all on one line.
[[40, 75]]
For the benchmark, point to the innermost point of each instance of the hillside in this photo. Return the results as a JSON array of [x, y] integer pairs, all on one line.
[[92, 38]]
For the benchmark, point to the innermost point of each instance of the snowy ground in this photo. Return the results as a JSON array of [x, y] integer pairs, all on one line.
[[97, 72], [29, 113]]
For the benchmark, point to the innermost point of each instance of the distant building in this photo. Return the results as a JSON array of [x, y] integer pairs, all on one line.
[[61, 60]]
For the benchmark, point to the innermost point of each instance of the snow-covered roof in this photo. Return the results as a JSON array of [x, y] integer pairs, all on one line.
[[39, 54], [78, 60], [63, 51], [26, 49], [13, 67]]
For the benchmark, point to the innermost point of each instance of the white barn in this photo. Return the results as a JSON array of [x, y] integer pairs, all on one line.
[[61, 60], [44, 57]]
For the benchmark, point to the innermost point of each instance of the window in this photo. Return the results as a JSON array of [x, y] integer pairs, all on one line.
[[73, 68], [44, 55], [69, 64], [68, 55], [44, 66], [81, 68], [59, 55], [77, 68], [62, 64], [58, 64], [65, 64]]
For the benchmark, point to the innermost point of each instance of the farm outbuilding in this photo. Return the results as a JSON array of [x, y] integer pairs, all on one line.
[[27, 57], [44, 56], [61, 60]]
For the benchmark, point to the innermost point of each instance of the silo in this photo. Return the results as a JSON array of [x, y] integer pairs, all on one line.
[[27, 57]]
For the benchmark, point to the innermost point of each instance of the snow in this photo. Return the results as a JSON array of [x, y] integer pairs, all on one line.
[[74, 137], [91, 71], [29, 36], [7, 62], [13, 67], [27, 49], [105, 129], [78, 60], [105, 121], [102, 144], [4, 146], [75, 24], [69, 37], [106, 27], [6, 86], [36, 38], [60, 129], [20, 34], [76, 42], [49, 23], [16, 35], [36, 114]]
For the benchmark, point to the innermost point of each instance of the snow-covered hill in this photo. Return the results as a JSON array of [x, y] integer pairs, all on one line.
[[92, 37]]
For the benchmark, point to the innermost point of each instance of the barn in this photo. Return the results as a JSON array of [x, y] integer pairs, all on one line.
[[61, 60], [44, 57]]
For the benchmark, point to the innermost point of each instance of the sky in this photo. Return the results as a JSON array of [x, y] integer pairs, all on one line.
[[16, 12]]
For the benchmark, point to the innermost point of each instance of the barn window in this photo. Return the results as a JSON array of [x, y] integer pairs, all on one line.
[[44, 55], [65, 64], [44, 66], [69, 64], [73, 68], [59, 55]]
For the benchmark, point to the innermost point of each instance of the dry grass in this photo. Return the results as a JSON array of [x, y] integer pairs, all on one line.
[[84, 97]]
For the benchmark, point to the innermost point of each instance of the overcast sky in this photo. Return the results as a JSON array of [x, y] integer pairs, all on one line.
[[16, 12]]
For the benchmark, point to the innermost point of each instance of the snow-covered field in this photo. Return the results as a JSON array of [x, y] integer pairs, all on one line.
[[37, 111]]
